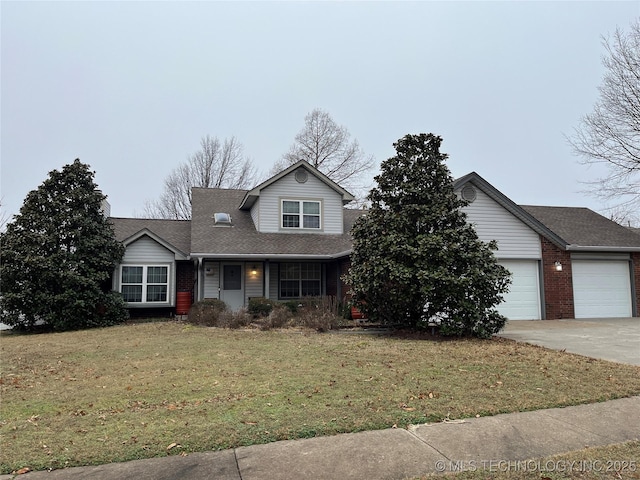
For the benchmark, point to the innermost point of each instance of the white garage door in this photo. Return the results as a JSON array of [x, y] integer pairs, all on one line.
[[601, 288], [523, 300]]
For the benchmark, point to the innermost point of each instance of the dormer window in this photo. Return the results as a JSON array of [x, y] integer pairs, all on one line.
[[222, 218], [301, 214]]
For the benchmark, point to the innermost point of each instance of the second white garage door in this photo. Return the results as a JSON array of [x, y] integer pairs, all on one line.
[[523, 300], [601, 288]]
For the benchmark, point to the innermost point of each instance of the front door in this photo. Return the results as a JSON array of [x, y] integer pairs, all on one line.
[[232, 291]]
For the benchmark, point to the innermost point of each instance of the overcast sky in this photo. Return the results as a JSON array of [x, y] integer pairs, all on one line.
[[131, 87]]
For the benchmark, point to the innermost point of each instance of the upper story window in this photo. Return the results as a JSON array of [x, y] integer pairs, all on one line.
[[301, 214]]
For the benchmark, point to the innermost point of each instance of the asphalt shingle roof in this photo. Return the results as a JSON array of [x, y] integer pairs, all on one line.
[[242, 238], [175, 232], [574, 225], [583, 227]]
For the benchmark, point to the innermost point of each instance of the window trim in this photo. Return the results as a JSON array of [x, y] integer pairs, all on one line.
[[300, 279], [145, 283], [301, 215]]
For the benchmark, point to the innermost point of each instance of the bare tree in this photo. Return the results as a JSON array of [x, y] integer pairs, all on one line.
[[624, 215], [610, 135], [4, 216], [215, 165], [328, 147]]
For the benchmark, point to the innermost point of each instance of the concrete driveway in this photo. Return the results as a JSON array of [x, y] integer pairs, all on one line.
[[615, 339]]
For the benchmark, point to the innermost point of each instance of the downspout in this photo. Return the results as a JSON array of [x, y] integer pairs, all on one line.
[[338, 281]]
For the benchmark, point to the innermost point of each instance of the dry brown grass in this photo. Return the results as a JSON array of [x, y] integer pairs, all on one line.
[[126, 392]]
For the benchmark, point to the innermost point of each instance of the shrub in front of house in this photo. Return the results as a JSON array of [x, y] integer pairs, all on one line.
[[239, 319], [320, 321], [319, 313], [292, 305], [207, 312], [260, 307], [279, 317]]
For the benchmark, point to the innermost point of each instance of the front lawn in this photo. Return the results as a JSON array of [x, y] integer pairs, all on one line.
[[155, 389]]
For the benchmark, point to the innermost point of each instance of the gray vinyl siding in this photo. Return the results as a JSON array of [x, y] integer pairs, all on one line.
[[253, 285], [255, 214], [494, 222], [212, 280], [145, 250], [288, 188]]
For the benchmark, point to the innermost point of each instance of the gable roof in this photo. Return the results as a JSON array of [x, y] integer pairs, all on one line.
[[516, 210], [584, 229], [570, 228], [175, 235], [252, 195], [243, 240]]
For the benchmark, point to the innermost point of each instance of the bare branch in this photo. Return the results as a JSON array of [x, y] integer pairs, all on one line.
[[327, 146], [610, 135], [215, 165], [4, 216]]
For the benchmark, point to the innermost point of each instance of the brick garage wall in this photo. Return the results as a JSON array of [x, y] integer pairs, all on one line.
[[558, 286], [635, 260], [184, 277]]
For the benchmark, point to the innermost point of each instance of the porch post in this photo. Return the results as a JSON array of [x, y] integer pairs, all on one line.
[[265, 287], [200, 280]]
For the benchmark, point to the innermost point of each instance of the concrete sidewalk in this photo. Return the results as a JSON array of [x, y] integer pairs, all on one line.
[[493, 443]]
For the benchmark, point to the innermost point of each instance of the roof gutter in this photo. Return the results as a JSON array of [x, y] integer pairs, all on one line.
[[584, 248], [270, 256]]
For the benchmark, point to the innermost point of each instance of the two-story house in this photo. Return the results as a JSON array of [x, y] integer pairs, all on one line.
[[289, 237]]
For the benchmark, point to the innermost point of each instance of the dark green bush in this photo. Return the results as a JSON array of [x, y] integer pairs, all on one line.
[[292, 305], [260, 306]]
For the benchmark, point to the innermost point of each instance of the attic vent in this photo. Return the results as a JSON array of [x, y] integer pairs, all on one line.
[[469, 193], [301, 175], [222, 218]]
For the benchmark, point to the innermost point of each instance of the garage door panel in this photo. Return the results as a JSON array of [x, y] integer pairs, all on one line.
[[601, 288], [522, 302]]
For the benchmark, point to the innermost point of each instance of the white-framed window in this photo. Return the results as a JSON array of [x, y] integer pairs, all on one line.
[[144, 283], [301, 214], [300, 280]]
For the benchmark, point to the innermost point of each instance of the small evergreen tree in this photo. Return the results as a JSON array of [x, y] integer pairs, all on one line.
[[58, 255], [415, 258]]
